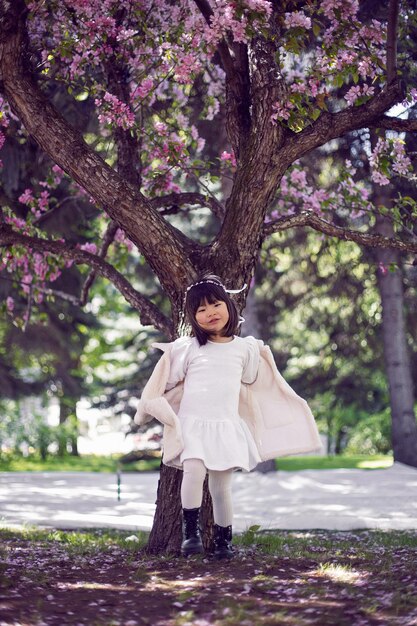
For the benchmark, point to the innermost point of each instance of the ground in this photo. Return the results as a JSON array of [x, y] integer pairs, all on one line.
[[102, 578]]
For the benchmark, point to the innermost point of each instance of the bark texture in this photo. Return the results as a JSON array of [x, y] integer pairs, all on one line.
[[396, 356]]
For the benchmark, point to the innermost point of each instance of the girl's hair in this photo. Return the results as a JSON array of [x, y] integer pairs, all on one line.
[[209, 287]]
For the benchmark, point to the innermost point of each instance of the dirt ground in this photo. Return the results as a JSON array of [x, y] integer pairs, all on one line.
[[45, 584]]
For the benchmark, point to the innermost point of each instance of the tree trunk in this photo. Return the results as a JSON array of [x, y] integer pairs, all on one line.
[[166, 533], [68, 422], [397, 361], [166, 529]]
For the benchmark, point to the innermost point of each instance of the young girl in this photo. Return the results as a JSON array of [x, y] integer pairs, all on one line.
[[218, 415]]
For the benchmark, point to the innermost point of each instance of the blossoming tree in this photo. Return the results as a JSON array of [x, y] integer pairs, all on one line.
[[285, 78]]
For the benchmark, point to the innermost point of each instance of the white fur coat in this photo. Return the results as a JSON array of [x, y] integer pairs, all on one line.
[[280, 421]]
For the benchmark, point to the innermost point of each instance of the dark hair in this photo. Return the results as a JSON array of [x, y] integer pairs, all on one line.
[[210, 288]]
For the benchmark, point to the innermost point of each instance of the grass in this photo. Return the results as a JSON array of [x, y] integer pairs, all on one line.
[[85, 463], [94, 463], [78, 542], [297, 463]]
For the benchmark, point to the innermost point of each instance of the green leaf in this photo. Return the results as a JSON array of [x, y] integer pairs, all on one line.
[[254, 528], [316, 28]]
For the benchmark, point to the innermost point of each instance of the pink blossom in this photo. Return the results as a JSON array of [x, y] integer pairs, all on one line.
[[26, 197], [297, 19], [358, 91], [16, 221], [40, 266], [334, 9], [144, 88], [260, 6], [89, 247], [10, 304], [201, 142], [298, 176], [26, 282], [161, 128], [113, 111], [54, 275], [281, 111], [43, 200], [382, 268], [353, 94], [379, 179], [188, 65], [228, 156], [120, 236]]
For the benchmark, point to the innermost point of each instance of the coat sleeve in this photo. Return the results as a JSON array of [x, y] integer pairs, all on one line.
[[153, 403], [251, 365], [179, 357], [153, 392]]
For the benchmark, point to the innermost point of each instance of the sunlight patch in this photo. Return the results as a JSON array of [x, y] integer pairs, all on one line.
[[86, 585], [339, 573]]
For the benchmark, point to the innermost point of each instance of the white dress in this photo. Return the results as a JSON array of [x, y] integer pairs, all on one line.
[[212, 429]]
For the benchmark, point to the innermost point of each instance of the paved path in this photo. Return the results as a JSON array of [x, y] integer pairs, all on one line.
[[340, 499]]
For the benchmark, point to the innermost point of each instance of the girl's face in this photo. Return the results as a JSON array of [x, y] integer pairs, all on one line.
[[212, 317]]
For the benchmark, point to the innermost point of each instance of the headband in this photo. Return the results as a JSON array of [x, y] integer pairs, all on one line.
[[215, 282]]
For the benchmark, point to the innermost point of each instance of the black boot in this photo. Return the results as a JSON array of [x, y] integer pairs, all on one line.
[[222, 542], [191, 533]]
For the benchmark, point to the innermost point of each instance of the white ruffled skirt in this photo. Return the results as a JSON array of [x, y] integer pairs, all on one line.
[[222, 444]]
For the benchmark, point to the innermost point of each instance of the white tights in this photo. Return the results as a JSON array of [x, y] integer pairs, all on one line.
[[220, 487]]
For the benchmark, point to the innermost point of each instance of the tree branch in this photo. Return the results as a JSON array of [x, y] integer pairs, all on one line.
[[332, 125], [161, 244], [108, 240], [224, 52], [235, 63], [149, 313], [394, 123], [392, 28], [308, 218], [179, 199]]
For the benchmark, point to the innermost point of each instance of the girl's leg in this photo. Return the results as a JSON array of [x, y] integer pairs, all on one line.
[[220, 486], [194, 473]]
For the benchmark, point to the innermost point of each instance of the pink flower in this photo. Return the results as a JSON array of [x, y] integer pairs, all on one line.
[[298, 177], [379, 179], [382, 268], [43, 200], [54, 275], [26, 282], [358, 91], [353, 94], [228, 156], [89, 247], [297, 19], [144, 88], [26, 197], [10, 304]]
